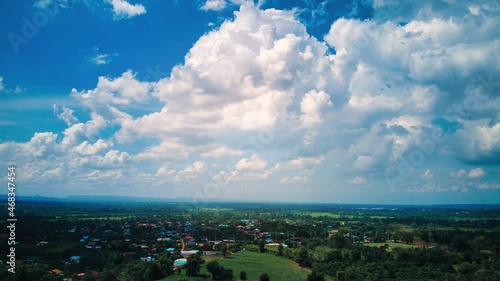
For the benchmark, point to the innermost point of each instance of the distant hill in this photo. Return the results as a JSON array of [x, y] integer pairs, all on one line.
[[106, 198], [125, 199], [3, 197], [99, 198]]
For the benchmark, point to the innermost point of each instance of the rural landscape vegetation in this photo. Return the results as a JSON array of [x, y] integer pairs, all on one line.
[[145, 241]]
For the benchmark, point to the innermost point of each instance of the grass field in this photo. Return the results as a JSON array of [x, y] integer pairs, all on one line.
[[216, 209], [61, 248], [76, 217], [315, 214], [391, 245], [254, 264]]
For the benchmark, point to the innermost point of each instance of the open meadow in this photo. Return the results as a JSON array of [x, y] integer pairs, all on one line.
[[254, 264]]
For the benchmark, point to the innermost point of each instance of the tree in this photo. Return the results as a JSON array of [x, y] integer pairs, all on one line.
[[132, 271], [219, 272], [154, 272], [193, 265], [148, 275], [106, 275], [314, 276], [243, 275], [223, 248], [264, 277], [51, 277], [280, 250], [424, 235], [407, 237], [262, 245], [302, 257], [338, 241], [460, 242], [28, 272], [166, 264], [227, 274], [214, 269], [88, 276]]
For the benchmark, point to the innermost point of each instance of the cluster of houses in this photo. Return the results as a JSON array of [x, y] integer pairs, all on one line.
[[161, 236]]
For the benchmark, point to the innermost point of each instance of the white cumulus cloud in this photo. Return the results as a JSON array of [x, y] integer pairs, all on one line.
[[123, 9], [214, 5], [253, 163], [258, 100], [358, 180], [476, 173], [427, 175]]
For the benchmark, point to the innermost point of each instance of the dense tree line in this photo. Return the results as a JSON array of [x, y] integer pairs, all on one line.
[[468, 257]]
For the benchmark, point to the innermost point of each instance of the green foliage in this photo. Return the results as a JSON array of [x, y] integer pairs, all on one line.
[[88, 276], [315, 276], [219, 272], [133, 271], [243, 275], [223, 249], [227, 274], [214, 269], [424, 235], [280, 250], [52, 277], [468, 241], [262, 245], [193, 265], [407, 237], [106, 276], [165, 264], [264, 277], [31, 272], [303, 257], [338, 241]]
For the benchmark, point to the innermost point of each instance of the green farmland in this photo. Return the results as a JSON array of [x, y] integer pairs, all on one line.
[[254, 264], [392, 245]]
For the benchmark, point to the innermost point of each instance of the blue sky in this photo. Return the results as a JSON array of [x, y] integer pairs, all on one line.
[[308, 101]]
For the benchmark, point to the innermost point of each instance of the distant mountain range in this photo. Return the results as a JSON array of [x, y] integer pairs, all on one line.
[[99, 198]]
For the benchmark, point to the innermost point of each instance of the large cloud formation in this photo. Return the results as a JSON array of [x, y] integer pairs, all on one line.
[[261, 107]]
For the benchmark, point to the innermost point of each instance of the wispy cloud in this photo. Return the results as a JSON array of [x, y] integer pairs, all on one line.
[[476, 173], [16, 90], [7, 123], [358, 180], [66, 114], [102, 59], [44, 4], [214, 5]]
